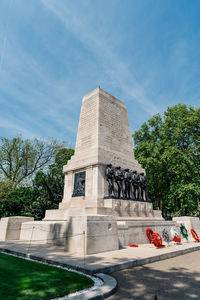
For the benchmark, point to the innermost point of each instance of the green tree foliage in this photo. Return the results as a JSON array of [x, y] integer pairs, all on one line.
[[62, 156], [168, 148], [45, 191], [5, 192], [20, 159], [48, 186], [14, 201]]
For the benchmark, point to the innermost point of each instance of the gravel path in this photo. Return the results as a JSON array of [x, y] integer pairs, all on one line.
[[171, 279]]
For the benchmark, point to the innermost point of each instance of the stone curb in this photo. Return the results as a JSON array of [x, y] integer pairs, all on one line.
[[107, 289], [144, 261], [109, 269]]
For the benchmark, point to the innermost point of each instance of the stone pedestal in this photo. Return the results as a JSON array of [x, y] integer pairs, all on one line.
[[10, 227], [131, 208], [92, 234]]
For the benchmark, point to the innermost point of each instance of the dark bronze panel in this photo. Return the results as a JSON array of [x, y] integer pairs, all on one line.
[[79, 184]]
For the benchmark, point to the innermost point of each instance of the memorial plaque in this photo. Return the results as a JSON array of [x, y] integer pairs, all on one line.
[[79, 184]]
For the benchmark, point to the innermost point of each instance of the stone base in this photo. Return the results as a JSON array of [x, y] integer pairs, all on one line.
[[115, 207], [45, 232], [92, 234], [58, 214], [87, 234], [131, 208], [65, 214], [134, 232], [10, 227]]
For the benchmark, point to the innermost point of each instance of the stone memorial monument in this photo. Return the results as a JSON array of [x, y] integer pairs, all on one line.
[[105, 190]]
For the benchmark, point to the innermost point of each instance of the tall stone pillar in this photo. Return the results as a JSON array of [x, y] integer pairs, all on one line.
[[103, 137]]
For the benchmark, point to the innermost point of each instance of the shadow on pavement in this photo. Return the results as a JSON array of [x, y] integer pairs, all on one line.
[[148, 281]]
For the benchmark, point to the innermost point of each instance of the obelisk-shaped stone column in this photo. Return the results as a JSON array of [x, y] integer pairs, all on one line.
[[103, 137]]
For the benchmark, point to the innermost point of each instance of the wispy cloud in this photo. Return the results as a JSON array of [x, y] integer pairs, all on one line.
[[78, 23], [12, 127], [32, 94]]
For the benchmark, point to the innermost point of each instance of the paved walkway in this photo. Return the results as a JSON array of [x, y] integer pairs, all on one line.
[[172, 279]]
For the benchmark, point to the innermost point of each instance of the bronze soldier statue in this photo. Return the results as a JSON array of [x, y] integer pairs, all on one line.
[[119, 177], [135, 183], [110, 175], [142, 186], [146, 189], [127, 184], [130, 184]]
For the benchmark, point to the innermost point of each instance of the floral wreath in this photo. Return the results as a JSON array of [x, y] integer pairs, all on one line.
[[184, 231], [195, 235], [157, 240], [173, 232], [166, 236], [177, 239], [149, 233], [175, 236]]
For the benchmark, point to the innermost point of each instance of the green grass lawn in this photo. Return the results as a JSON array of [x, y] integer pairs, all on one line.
[[23, 279]]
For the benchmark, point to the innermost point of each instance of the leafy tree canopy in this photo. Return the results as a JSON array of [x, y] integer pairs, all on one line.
[[45, 192], [168, 148], [19, 159]]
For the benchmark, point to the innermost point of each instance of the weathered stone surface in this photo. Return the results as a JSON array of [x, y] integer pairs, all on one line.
[[132, 208], [134, 231], [103, 134], [45, 232], [92, 234], [10, 227]]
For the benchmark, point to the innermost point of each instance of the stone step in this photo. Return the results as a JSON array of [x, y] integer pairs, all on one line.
[[56, 215]]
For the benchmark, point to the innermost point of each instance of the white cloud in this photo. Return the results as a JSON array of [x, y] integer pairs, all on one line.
[[81, 25], [33, 95], [16, 129]]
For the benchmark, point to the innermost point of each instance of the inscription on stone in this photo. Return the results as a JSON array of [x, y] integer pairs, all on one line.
[[79, 184]]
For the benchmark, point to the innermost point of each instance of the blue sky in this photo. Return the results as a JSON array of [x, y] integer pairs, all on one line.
[[53, 52]]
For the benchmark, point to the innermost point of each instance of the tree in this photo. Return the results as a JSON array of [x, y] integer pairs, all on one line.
[[62, 156], [168, 148], [48, 186], [20, 159], [45, 192], [5, 192]]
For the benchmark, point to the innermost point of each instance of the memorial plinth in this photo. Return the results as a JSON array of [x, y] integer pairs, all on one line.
[[88, 209]]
